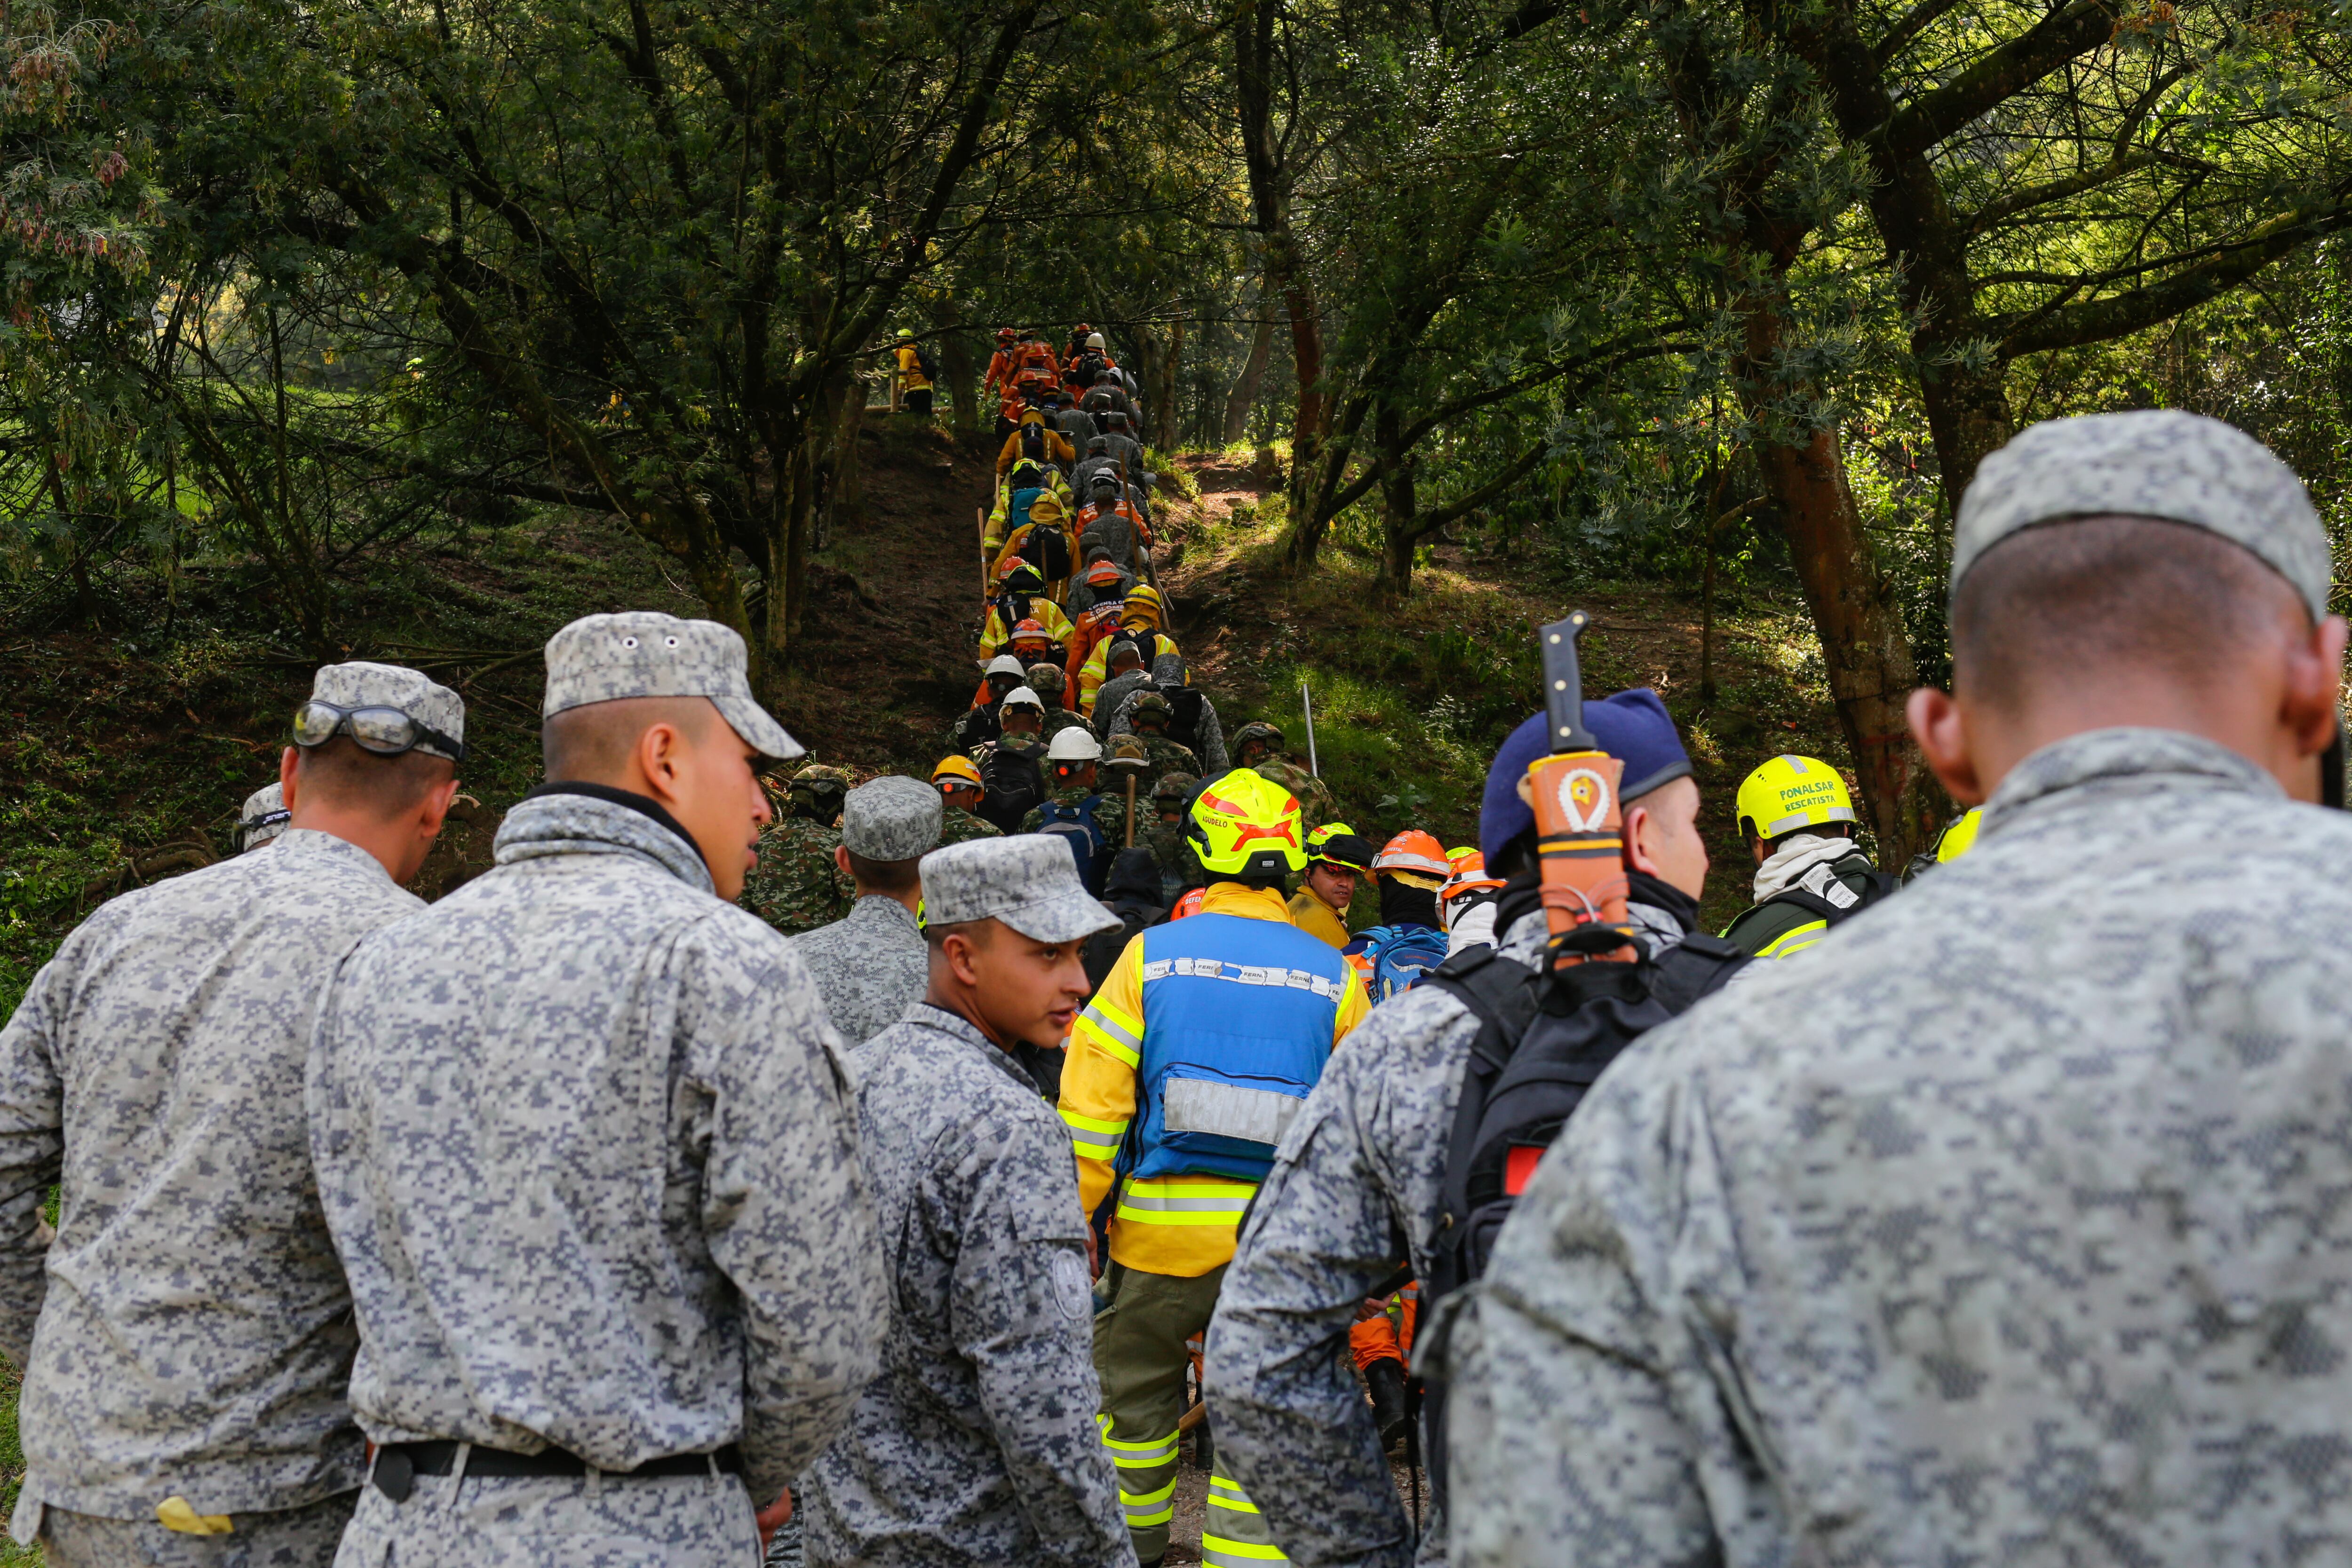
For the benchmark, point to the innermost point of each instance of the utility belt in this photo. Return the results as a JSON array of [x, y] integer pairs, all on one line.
[[397, 1465]]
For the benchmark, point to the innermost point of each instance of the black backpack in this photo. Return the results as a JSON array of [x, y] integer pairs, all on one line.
[[1875, 887], [1090, 365], [1184, 715], [1014, 787], [1541, 1045], [1047, 549], [1032, 442], [928, 366]]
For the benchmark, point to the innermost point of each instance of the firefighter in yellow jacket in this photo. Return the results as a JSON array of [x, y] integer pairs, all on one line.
[[1142, 617], [1203, 1041]]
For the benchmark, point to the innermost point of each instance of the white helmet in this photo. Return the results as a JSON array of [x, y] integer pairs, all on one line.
[[1094, 340], [1006, 665], [1020, 695], [1073, 743]]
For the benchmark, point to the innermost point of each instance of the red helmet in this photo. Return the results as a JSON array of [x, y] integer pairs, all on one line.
[[1188, 905], [1005, 334], [1081, 329]]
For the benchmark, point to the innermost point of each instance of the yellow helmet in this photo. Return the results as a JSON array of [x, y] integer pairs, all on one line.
[[1243, 825], [1960, 835], [958, 769], [1143, 604], [1792, 793]]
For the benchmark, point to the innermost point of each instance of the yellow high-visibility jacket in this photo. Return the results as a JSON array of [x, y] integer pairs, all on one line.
[[1096, 670], [995, 633], [1188, 1239], [1315, 918]]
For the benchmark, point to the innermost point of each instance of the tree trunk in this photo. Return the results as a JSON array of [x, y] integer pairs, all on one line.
[[1399, 510], [961, 373], [844, 490], [1967, 416], [1863, 644], [1244, 395], [1162, 389]]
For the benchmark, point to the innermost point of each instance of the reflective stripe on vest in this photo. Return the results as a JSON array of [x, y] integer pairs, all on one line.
[[1237, 1022]]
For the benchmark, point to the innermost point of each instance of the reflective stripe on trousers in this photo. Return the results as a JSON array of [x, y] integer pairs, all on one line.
[[1235, 1533], [1147, 1477]]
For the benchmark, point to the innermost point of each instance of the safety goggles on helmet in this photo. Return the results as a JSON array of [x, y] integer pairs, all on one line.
[[1335, 843], [384, 731]]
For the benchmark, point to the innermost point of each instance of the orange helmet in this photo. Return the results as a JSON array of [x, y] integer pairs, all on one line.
[[1032, 630], [1006, 334], [1469, 876], [1412, 852], [1104, 571], [1454, 857], [1188, 905]]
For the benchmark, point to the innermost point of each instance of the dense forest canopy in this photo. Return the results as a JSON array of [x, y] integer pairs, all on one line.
[[1691, 288]]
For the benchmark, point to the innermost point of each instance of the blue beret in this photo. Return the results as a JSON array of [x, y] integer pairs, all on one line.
[[1632, 726]]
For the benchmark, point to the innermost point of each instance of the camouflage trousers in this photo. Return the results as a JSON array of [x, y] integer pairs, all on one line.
[[287, 1537], [556, 1522], [1140, 1357]]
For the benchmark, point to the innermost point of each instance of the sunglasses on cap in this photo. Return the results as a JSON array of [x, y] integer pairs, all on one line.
[[386, 731]]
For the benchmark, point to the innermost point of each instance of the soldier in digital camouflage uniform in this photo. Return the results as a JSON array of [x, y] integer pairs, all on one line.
[[1258, 747], [185, 1341], [797, 886], [1125, 675], [2005, 1225], [1048, 682], [1361, 1190], [263, 817], [868, 966], [586, 1147], [977, 1444], [1147, 713]]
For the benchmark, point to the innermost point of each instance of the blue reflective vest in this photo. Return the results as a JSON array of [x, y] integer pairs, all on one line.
[[1237, 1022]]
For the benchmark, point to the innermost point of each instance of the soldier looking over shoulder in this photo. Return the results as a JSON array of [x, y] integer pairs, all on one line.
[[585, 1147], [2005, 1224], [977, 1444], [186, 1339]]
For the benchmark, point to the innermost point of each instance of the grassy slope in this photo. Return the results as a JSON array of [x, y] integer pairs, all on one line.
[[128, 746]]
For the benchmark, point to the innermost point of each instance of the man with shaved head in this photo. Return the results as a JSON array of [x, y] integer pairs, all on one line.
[[2005, 1224]]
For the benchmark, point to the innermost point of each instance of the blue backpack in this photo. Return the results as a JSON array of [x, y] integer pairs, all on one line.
[[1076, 826], [1400, 955]]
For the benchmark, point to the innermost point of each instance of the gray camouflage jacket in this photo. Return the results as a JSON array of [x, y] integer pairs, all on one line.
[[868, 967], [584, 1143], [977, 1444], [1356, 1189], [194, 1330], [2004, 1225]]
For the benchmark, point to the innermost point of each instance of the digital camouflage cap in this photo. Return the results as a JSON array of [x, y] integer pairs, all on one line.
[[362, 685], [645, 654], [891, 817]]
